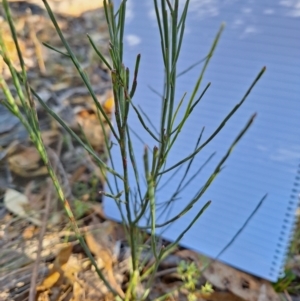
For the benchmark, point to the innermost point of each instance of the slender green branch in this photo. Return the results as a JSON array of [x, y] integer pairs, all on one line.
[[56, 50], [237, 106], [99, 53], [78, 67]]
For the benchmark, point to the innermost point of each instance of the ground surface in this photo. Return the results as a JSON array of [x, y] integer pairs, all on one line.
[[38, 250]]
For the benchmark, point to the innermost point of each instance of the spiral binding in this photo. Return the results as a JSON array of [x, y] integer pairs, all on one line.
[[290, 218]]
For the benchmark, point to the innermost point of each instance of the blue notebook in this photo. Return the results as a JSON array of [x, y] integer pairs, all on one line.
[[265, 161]]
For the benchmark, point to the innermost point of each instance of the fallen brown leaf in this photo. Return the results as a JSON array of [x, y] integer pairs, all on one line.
[[57, 269], [220, 296], [18, 204], [27, 163], [29, 232], [241, 284], [101, 244]]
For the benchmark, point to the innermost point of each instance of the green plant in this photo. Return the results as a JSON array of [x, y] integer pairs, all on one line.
[[286, 283], [171, 24], [80, 208], [190, 275]]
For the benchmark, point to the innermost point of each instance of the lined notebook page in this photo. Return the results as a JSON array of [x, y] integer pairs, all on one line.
[[267, 158]]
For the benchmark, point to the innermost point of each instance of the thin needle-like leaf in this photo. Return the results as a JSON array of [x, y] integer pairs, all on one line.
[[136, 70], [73, 135], [102, 58], [78, 67], [212, 176], [237, 106], [191, 67], [148, 119], [143, 122], [155, 92], [242, 227], [56, 50], [133, 162]]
